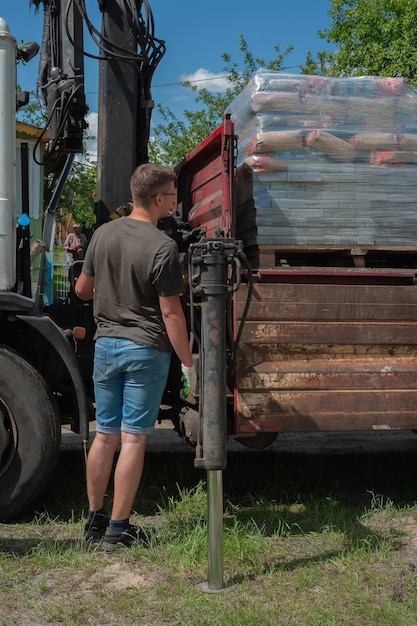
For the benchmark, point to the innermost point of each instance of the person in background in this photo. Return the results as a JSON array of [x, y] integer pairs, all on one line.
[[76, 243], [132, 270]]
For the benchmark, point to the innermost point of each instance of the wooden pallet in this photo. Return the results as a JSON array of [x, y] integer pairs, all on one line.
[[270, 256]]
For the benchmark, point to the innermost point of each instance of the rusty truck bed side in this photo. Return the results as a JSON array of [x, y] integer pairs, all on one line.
[[318, 356]]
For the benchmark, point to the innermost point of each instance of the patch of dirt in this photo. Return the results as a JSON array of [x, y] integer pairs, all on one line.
[[408, 547], [120, 576]]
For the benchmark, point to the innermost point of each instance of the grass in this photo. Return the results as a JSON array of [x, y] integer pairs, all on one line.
[[306, 540]]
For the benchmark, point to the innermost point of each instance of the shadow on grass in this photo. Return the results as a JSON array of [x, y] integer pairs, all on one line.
[[26, 546], [284, 478], [332, 491]]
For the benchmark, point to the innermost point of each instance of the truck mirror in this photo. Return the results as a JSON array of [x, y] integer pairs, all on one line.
[[27, 52]]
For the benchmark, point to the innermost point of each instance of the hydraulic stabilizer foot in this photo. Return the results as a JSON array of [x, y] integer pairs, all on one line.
[[211, 261]]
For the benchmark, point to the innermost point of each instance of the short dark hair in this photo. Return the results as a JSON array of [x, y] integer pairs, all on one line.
[[149, 178]]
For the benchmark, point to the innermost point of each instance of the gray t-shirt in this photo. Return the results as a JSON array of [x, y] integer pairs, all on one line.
[[133, 264]]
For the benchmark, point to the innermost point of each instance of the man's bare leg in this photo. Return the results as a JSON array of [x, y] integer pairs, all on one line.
[[99, 466], [128, 474]]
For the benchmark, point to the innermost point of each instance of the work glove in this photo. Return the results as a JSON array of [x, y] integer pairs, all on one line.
[[189, 384]]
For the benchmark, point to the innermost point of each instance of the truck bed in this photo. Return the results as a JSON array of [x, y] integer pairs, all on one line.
[[336, 356], [330, 339]]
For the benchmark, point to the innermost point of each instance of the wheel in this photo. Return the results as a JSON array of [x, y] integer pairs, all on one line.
[[30, 433]]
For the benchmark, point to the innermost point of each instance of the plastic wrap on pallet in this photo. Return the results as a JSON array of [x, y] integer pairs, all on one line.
[[370, 112], [332, 160]]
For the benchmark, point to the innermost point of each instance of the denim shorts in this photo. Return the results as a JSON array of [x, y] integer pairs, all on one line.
[[129, 380]]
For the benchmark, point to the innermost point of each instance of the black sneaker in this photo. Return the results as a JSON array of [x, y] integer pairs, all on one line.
[[113, 540], [96, 527]]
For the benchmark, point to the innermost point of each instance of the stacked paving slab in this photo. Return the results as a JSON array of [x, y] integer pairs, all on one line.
[[327, 161]]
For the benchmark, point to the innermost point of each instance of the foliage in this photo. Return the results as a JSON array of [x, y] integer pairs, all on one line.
[[79, 193], [375, 38], [174, 138], [320, 66], [33, 112]]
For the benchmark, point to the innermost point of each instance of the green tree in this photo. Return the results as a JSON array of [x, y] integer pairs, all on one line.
[[32, 113], [373, 37], [78, 196], [174, 138], [320, 66]]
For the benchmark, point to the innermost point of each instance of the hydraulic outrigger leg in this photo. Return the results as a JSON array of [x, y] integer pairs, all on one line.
[[211, 259]]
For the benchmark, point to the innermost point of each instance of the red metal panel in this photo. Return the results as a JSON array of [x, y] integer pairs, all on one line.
[[327, 356], [205, 184], [326, 410], [330, 332], [363, 372], [336, 276]]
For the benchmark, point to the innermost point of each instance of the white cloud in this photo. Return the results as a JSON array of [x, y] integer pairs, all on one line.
[[210, 81]]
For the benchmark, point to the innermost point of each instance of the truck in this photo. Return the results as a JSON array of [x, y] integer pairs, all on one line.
[[314, 177], [290, 334], [46, 349]]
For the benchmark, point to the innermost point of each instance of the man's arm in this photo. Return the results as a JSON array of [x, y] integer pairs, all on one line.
[[176, 327], [84, 286], [67, 243]]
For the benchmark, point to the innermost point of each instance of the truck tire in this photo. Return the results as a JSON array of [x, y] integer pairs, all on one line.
[[30, 433]]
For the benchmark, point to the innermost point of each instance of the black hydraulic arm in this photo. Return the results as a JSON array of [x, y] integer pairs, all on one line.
[[61, 75], [60, 86], [129, 55]]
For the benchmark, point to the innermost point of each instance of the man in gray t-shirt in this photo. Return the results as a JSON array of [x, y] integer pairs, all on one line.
[[132, 270], [141, 266]]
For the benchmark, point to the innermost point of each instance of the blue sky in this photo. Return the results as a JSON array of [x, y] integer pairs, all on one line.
[[196, 34]]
